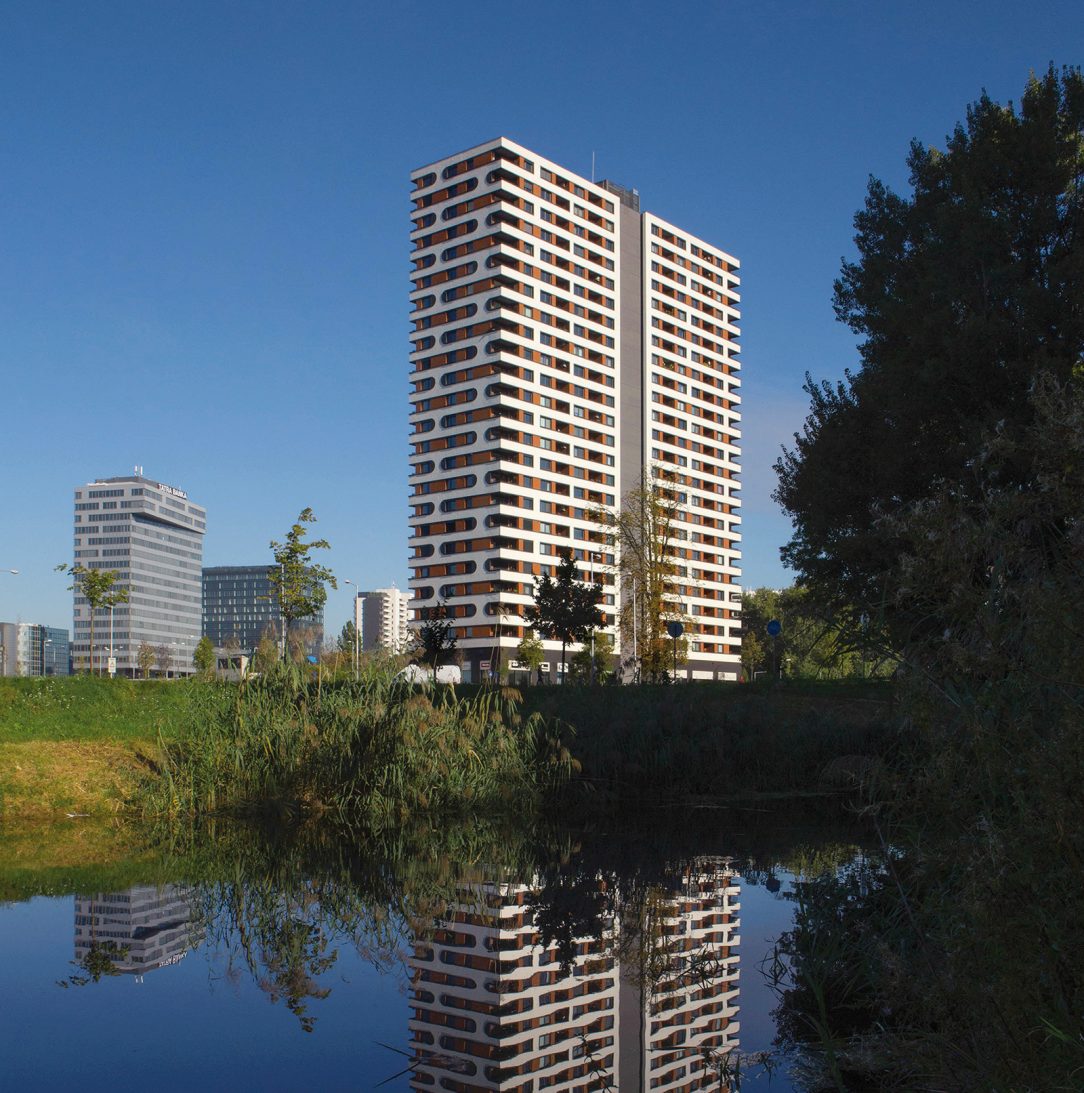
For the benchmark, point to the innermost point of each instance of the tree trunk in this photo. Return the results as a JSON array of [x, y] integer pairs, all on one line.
[[562, 663]]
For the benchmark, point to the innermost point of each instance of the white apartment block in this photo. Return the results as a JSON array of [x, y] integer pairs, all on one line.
[[649, 1005], [564, 342], [382, 619], [151, 536]]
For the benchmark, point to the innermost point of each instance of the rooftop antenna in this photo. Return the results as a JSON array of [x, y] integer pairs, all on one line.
[[138, 468], [592, 166]]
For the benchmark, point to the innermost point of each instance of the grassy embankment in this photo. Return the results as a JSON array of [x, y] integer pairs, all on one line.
[[82, 745], [104, 747]]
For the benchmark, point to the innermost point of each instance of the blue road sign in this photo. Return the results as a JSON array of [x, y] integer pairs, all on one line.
[[675, 630], [774, 628]]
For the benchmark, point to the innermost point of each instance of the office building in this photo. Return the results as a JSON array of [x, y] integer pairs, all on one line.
[[151, 536], [30, 649], [564, 343], [140, 929], [382, 619], [240, 605]]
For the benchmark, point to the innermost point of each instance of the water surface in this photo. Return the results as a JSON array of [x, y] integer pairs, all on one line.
[[622, 957]]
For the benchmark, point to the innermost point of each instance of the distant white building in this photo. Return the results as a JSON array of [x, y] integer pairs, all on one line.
[[381, 618]]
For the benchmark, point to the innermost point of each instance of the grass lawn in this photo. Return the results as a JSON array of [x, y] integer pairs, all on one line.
[[80, 744]]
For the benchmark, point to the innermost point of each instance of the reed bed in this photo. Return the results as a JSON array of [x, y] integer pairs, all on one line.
[[377, 748]]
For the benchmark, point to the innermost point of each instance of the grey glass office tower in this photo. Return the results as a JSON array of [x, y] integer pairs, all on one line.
[[240, 603], [151, 536]]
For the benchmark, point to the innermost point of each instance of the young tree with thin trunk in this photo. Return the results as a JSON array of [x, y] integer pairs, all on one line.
[[97, 587], [203, 659], [145, 658], [644, 533], [296, 580]]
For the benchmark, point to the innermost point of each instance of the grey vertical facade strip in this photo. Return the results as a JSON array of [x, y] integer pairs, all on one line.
[[631, 356]]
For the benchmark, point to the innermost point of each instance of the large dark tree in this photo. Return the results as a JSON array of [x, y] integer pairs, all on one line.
[[964, 293]]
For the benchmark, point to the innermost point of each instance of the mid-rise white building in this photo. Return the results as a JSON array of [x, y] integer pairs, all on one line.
[[564, 343], [151, 536], [382, 619]]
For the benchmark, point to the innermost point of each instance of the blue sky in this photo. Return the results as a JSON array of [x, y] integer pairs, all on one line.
[[204, 224]]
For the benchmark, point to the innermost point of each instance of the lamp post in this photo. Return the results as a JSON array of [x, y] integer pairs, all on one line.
[[593, 554], [3, 648], [357, 596]]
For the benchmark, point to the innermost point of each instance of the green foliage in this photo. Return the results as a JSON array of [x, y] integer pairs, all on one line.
[[579, 667], [376, 749], [564, 609], [347, 638], [643, 533], [664, 744], [435, 639], [297, 581], [531, 652], [145, 658], [203, 659], [964, 291], [813, 643], [98, 587], [265, 655]]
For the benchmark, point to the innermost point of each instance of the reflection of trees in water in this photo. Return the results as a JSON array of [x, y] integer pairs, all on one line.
[[99, 959], [278, 908]]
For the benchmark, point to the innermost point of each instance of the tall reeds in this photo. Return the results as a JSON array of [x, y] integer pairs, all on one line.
[[378, 748]]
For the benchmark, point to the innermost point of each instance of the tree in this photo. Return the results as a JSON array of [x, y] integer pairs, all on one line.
[[203, 659], [964, 292], [347, 638], [580, 667], [752, 652], [644, 533], [436, 638], [265, 654], [96, 586], [297, 582], [531, 652], [164, 657], [564, 609], [145, 658]]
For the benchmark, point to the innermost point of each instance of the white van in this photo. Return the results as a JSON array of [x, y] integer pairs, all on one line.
[[419, 673]]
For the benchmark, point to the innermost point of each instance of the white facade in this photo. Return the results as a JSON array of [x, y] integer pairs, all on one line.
[[650, 1005], [545, 306], [382, 619], [151, 536]]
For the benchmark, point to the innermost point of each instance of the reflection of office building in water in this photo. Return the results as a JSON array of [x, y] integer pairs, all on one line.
[[141, 929], [648, 1006]]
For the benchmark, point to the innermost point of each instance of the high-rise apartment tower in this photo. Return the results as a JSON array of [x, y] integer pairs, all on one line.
[[566, 343], [151, 535]]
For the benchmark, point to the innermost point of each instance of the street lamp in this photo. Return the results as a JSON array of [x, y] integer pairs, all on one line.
[[357, 596], [593, 554], [3, 650]]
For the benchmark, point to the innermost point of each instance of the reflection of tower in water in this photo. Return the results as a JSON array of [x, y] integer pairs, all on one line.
[[679, 982], [495, 1009], [140, 929]]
